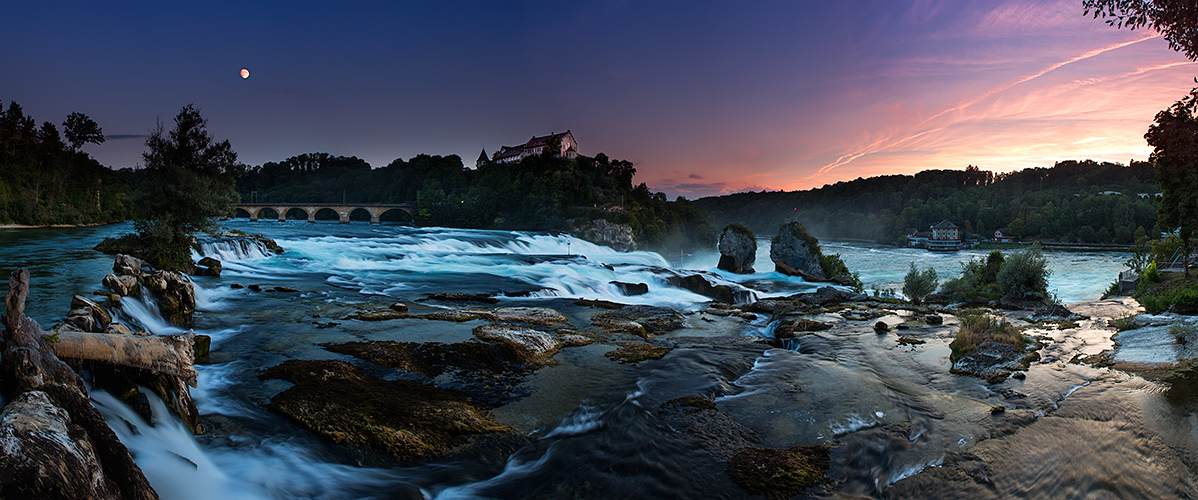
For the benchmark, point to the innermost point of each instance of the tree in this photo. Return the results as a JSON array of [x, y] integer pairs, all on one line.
[[1024, 274], [81, 130], [1174, 139], [189, 179], [1177, 20], [919, 284]]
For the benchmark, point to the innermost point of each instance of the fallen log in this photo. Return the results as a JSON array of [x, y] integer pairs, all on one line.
[[165, 354], [51, 398]]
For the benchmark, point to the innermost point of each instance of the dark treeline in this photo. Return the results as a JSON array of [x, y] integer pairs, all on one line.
[[45, 179], [538, 193], [1064, 203]]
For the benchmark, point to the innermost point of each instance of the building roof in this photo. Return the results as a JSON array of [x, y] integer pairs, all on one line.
[[1003, 233], [945, 224], [482, 157], [535, 142]]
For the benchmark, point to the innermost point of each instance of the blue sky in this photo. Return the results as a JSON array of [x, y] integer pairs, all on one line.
[[705, 97]]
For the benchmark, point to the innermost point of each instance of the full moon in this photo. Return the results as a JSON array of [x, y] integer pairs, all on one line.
[[245, 73]]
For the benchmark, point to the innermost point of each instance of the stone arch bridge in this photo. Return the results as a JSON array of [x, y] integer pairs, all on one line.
[[376, 210]]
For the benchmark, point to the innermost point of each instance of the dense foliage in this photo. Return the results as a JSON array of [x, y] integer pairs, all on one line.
[[1174, 138], [1064, 203], [919, 284], [1024, 274], [538, 193], [188, 182], [978, 280], [46, 181]]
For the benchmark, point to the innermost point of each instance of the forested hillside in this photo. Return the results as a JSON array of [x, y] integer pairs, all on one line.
[[539, 193], [46, 180], [1065, 203]]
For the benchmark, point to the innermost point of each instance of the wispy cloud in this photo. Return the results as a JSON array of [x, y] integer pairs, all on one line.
[[959, 112]]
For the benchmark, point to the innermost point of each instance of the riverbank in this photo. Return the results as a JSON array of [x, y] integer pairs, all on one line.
[[59, 226]]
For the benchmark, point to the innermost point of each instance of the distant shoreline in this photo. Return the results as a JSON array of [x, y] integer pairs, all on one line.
[[57, 226]]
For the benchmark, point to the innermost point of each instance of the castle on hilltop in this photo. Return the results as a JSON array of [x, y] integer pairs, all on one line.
[[511, 154]]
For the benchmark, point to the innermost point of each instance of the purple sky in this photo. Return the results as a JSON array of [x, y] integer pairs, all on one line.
[[705, 97]]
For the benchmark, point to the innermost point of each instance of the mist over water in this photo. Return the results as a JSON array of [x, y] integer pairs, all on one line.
[[894, 416]]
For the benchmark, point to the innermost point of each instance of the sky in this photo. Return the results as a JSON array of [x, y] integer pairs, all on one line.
[[704, 97]]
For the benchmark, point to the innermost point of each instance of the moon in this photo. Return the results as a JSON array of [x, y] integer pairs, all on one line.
[[245, 73]]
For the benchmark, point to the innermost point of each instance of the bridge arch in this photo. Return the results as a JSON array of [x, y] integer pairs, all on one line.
[[344, 213]]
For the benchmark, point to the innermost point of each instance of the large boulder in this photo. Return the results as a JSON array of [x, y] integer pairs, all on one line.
[[738, 249], [208, 266], [126, 265], [602, 232], [796, 253], [409, 420]]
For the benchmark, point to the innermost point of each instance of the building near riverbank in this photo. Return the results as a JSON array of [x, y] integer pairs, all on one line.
[[567, 148], [946, 236]]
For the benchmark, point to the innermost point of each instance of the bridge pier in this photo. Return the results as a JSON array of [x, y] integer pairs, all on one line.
[[344, 217]]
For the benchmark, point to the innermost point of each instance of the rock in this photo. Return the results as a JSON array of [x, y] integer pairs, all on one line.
[[462, 297], [285, 289], [881, 327], [236, 286], [825, 295], [631, 289], [536, 343], [117, 329], [408, 420], [644, 321], [933, 319], [722, 293], [531, 315], [601, 232], [113, 283], [255, 288], [98, 313], [600, 304], [635, 352], [792, 328], [780, 473], [795, 253], [83, 320], [209, 266], [126, 265], [993, 361], [399, 307], [738, 249], [44, 456], [203, 344], [177, 299]]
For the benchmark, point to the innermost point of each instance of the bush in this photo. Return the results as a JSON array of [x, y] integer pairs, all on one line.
[[1111, 291], [1183, 332], [1151, 274], [1024, 275], [978, 330], [919, 284]]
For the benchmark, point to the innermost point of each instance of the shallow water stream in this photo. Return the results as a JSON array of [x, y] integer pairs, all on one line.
[[898, 423]]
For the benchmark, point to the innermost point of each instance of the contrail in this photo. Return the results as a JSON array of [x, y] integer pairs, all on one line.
[[887, 142]]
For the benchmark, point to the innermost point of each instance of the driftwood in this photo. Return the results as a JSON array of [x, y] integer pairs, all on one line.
[[45, 383], [164, 354]]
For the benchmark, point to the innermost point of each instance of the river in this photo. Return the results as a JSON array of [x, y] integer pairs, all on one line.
[[898, 423]]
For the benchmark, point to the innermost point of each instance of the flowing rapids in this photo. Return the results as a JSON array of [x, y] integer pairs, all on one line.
[[897, 422]]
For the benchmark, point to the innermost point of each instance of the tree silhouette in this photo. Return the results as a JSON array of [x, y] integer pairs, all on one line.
[[81, 130], [1174, 139]]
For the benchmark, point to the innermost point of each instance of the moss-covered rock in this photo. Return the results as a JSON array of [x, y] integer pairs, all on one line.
[[408, 420], [779, 474], [644, 321], [635, 352], [794, 327]]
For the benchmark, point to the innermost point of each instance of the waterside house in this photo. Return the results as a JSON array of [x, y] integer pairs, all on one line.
[[568, 148], [946, 236], [917, 238], [1004, 236]]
